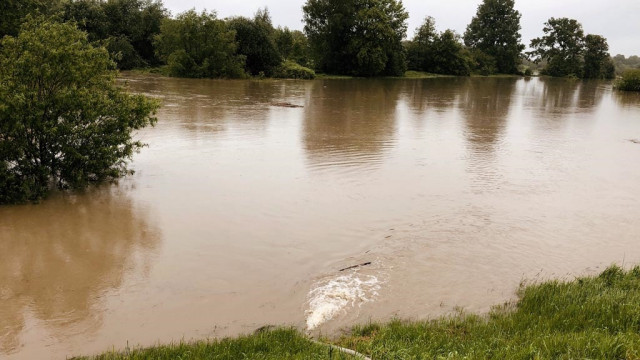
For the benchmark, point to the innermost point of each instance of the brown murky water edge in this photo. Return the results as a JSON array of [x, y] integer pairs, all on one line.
[[241, 212]]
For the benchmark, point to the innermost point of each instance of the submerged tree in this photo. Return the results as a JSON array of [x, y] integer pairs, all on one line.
[[440, 53], [63, 120], [495, 30], [256, 42], [199, 45], [357, 37], [597, 61], [562, 47]]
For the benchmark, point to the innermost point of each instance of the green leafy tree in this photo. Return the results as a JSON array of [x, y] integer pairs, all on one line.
[[562, 47], [123, 25], [199, 45], [419, 50], [597, 61], [63, 120], [13, 13], [357, 37], [293, 46], [439, 53], [256, 42], [495, 30], [449, 56]]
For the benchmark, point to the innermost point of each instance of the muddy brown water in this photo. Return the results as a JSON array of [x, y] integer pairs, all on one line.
[[242, 211]]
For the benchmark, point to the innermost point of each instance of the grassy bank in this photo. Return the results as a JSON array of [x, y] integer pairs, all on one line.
[[591, 317]]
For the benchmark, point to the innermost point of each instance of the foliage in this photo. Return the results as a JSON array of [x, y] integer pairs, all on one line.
[[135, 22], [291, 70], [562, 46], [264, 345], [63, 120], [199, 45], [13, 12], [587, 318], [293, 45], [256, 42], [622, 64], [438, 53], [495, 30], [357, 37], [630, 80], [482, 63], [597, 62]]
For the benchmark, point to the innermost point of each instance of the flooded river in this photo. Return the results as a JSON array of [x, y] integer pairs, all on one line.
[[242, 212]]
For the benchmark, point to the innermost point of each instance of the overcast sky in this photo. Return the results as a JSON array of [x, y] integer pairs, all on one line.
[[617, 20]]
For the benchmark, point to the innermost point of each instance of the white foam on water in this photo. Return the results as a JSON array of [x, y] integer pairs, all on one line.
[[332, 296]]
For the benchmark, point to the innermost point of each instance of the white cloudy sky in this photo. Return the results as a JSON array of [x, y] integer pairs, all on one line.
[[617, 20]]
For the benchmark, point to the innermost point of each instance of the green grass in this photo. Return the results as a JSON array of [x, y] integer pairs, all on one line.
[[263, 345], [587, 318]]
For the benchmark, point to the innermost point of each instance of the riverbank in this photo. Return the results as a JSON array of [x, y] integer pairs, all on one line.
[[595, 317]]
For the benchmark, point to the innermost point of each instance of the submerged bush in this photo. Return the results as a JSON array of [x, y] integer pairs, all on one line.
[[630, 80], [292, 70], [63, 120]]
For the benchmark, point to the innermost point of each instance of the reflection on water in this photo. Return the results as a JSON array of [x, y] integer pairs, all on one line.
[[58, 258], [350, 123], [452, 189]]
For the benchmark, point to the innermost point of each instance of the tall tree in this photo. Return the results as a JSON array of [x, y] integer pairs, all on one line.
[[199, 45], [562, 47], [495, 30], [63, 120], [13, 13], [597, 61], [256, 41], [357, 37]]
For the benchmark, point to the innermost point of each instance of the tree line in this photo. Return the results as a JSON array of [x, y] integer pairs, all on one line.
[[342, 37]]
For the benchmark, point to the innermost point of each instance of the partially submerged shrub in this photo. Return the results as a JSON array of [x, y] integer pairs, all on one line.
[[292, 70], [630, 80]]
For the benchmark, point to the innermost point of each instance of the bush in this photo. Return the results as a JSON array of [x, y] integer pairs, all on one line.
[[292, 70], [630, 80], [63, 120]]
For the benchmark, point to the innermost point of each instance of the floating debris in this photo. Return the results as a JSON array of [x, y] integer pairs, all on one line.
[[286, 104], [356, 266]]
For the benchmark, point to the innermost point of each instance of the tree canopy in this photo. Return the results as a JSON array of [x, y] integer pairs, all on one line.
[[63, 121], [199, 45], [562, 47], [256, 42], [439, 53], [357, 37], [495, 30]]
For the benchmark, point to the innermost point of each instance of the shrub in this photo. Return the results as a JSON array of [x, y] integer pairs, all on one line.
[[292, 70], [63, 120], [630, 80]]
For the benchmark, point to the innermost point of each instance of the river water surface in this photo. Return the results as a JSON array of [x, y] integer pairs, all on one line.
[[242, 212]]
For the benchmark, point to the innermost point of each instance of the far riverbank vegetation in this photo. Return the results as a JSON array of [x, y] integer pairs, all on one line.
[[340, 38], [595, 317]]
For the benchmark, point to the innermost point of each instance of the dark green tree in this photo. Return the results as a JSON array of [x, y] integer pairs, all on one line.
[[597, 61], [13, 13], [419, 50], [123, 25], [293, 46], [495, 30], [562, 47], [199, 45], [63, 120], [439, 53], [256, 42], [357, 37]]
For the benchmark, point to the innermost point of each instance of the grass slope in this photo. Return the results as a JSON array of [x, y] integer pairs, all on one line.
[[587, 318], [263, 345]]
